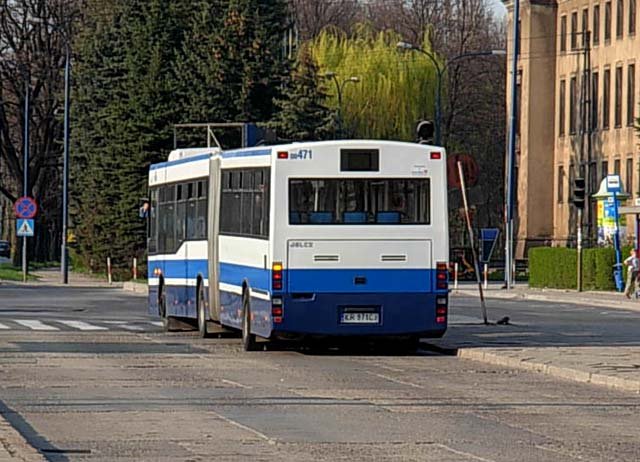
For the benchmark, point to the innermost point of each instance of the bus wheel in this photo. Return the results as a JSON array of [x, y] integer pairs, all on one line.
[[202, 314], [248, 339], [169, 323]]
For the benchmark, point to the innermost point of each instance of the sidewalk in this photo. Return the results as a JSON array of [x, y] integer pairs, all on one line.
[[52, 277], [523, 292], [588, 354], [14, 448]]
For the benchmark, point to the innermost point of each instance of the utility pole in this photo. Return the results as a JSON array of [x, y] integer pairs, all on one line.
[[511, 158]]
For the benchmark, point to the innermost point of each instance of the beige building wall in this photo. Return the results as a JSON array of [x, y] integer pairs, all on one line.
[[552, 150]]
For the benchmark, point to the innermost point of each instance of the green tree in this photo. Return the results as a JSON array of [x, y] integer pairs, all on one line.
[[302, 114], [122, 120], [396, 89]]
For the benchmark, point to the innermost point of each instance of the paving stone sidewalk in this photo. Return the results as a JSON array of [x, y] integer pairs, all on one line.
[[14, 448], [611, 366]]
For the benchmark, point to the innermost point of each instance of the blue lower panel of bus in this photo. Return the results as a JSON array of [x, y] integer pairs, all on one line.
[[397, 314]]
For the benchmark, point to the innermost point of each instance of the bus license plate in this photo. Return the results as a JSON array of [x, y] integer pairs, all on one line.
[[360, 318]]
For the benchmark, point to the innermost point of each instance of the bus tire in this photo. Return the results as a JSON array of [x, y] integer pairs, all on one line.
[[202, 313], [248, 339], [169, 323]]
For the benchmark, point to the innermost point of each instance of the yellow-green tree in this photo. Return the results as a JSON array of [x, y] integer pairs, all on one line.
[[395, 90]]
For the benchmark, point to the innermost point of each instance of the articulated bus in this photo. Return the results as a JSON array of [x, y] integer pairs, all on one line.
[[304, 240]]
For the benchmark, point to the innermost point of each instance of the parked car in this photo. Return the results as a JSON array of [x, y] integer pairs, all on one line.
[[5, 249]]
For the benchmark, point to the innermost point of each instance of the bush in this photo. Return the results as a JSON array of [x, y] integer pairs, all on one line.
[[556, 267]]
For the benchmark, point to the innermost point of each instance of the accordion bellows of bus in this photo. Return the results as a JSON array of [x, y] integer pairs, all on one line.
[[336, 238]]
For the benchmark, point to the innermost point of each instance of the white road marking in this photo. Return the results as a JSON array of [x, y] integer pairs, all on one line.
[[394, 380], [80, 325], [156, 323], [125, 325], [461, 319], [34, 325], [2, 326]]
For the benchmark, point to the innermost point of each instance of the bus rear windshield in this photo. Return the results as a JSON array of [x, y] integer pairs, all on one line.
[[353, 201]]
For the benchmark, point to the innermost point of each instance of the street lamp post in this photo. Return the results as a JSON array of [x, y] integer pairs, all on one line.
[[64, 261], [64, 257], [339, 90], [440, 70]]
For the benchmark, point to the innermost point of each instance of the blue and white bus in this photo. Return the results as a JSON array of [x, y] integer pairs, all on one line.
[[336, 238]]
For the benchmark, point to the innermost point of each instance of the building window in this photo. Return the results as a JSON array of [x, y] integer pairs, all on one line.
[[606, 98], [632, 17], [574, 30], [594, 100], [561, 107], [629, 176], [616, 167], [561, 176], [607, 21], [631, 95], [604, 168], [596, 25], [572, 106], [563, 33], [585, 26], [618, 101], [619, 18]]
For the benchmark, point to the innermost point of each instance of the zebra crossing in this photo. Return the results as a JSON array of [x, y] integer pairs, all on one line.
[[74, 325]]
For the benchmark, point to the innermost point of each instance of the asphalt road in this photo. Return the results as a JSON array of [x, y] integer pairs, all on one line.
[[125, 395]]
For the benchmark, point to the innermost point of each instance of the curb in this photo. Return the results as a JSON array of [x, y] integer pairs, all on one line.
[[617, 383], [612, 304], [136, 288], [13, 447]]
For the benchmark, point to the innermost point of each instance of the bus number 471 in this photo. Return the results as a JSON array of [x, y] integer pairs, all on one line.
[[302, 154]]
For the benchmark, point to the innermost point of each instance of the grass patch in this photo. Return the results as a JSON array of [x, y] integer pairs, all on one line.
[[9, 272]]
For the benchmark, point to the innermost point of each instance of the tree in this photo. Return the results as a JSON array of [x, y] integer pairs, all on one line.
[[122, 121], [301, 113], [395, 91]]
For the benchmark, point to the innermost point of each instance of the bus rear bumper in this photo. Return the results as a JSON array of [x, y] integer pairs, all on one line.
[[324, 315]]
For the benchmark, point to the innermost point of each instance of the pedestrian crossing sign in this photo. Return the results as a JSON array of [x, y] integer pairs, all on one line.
[[25, 227]]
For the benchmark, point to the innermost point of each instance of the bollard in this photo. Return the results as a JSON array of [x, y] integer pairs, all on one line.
[[486, 276], [135, 269], [109, 269], [455, 276]]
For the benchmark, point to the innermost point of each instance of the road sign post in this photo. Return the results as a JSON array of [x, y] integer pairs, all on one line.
[[26, 209], [614, 187]]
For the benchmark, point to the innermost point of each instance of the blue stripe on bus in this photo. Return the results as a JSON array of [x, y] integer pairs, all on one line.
[[180, 161], [229, 273], [246, 153], [360, 280], [307, 280]]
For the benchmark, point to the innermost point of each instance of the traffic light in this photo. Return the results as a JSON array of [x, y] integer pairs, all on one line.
[[578, 193]]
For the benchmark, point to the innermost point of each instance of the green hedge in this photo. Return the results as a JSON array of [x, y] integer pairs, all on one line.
[[556, 267]]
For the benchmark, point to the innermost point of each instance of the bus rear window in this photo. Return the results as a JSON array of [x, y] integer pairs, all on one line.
[[353, 201]]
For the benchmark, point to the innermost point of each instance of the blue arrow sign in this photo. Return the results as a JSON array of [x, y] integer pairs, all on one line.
[[25, 227]]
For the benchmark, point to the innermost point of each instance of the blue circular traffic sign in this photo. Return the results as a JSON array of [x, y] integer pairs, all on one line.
[[25, 208]]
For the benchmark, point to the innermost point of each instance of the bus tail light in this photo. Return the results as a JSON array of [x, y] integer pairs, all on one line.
[[441, 309], [283, 155], [442, 276], [276, 276], [277, 310], [436, 155]]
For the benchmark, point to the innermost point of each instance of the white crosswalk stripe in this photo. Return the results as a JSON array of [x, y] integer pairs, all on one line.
[[72, 324], [81, 325], [35, 325], [125, 325]]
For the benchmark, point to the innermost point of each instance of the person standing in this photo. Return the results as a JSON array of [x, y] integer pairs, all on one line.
[[633, 265]]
